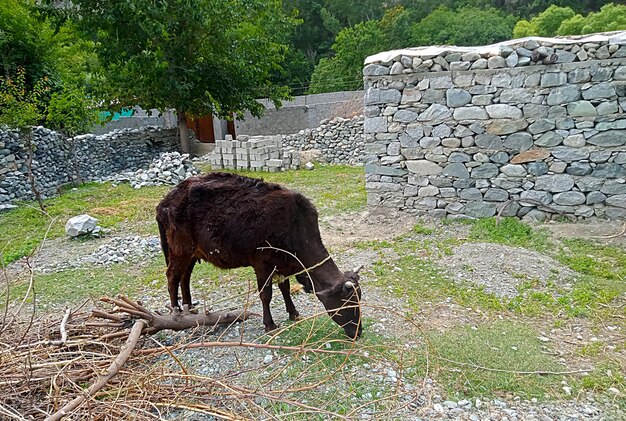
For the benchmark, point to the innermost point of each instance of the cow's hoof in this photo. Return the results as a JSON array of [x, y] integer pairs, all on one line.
[[189, 309], [295, 317], [270, 328]]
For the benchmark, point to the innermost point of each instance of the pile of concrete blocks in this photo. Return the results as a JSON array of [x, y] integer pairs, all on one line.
[[254, 153]]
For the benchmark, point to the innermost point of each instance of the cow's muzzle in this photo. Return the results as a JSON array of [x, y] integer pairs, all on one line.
[[353, 331]]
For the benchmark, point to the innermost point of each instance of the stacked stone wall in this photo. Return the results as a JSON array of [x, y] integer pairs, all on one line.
[[478, 133], [254, 153], [339, 140], [56, 159]]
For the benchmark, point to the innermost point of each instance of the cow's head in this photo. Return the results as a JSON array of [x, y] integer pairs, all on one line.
[[342, 301]]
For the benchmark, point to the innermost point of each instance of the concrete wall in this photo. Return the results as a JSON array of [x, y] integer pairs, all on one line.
[[303, 112], [534, 128]]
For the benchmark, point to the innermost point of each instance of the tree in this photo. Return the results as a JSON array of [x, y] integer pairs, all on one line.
[[344, 71], [26, 41], [466, 26], [545, 24], [21, 107], [194, 56], [564, 21], [611, 17]]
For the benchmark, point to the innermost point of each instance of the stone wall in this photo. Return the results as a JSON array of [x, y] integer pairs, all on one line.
[[254, 153], [55, 158], [339, 140], [533, 128]]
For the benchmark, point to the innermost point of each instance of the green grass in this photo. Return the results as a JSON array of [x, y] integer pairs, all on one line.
[[333, 189], [418, 278], [23, 229], [509, 231], [466, 361], [341, 374]]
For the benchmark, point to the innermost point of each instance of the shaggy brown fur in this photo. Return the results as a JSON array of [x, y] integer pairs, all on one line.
[[227, 219]]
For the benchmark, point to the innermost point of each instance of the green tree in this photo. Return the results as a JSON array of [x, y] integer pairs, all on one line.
[[21, 107], [343, 71], [351, 14], [26, 41], [195, 56], [71, 111], [545, 24], [611, 17], [465, 26]]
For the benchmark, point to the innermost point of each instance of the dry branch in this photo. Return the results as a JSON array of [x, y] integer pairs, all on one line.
[[156, 322], [112, 371]]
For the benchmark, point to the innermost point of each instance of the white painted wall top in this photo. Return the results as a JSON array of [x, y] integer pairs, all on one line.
[[617, 37]]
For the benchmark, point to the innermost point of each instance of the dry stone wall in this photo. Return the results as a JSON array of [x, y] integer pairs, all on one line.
[[533, 128], [57, 159]]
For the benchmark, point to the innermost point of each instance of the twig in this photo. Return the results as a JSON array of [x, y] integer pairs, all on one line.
[[63, 324], [498, 370], [112, 371]]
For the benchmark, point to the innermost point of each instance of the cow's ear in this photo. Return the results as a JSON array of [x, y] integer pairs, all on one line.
[[349, 287]]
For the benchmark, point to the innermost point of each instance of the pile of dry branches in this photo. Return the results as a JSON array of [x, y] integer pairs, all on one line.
[[57, 365]]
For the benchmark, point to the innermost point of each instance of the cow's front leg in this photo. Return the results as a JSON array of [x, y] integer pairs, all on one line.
[[264, 282], [291, 308]]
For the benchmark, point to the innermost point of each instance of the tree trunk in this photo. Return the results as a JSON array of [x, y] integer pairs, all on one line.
[[31, 174], [183, 132]]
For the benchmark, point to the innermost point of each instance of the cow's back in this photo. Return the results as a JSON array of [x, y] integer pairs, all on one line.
[[224, 218]]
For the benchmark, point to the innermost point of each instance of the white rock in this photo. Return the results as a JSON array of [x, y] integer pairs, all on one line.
[[80, 225]]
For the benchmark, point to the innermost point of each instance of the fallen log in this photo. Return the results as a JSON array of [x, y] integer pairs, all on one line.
[[155, 322]]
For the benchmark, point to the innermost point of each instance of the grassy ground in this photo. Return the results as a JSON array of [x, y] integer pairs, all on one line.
[[494, 355], [22, 230]]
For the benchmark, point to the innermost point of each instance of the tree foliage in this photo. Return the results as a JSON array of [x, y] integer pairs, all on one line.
[[611, 17], [465, 26], [564, 21], [352, 46], [545, 23], [71, 111], [195, 56], [22, 106], [26, 41]]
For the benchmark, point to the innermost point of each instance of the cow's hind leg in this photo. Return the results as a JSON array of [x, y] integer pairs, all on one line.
[[291, 308], [176, 270], [264, 282], [185, 282]]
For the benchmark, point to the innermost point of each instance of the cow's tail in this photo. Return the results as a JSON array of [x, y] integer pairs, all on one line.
[[163, 235]]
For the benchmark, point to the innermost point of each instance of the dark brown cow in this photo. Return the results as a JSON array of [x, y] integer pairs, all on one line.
[[234, 221]]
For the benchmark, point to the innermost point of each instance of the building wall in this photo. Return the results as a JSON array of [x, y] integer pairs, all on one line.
[[303, 112]]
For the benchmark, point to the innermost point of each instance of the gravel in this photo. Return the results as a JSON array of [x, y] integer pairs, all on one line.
[[115, 250], [500, 269], [169, 168]]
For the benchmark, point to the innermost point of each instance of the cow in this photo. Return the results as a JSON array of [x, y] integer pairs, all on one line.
[[234, 221]]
